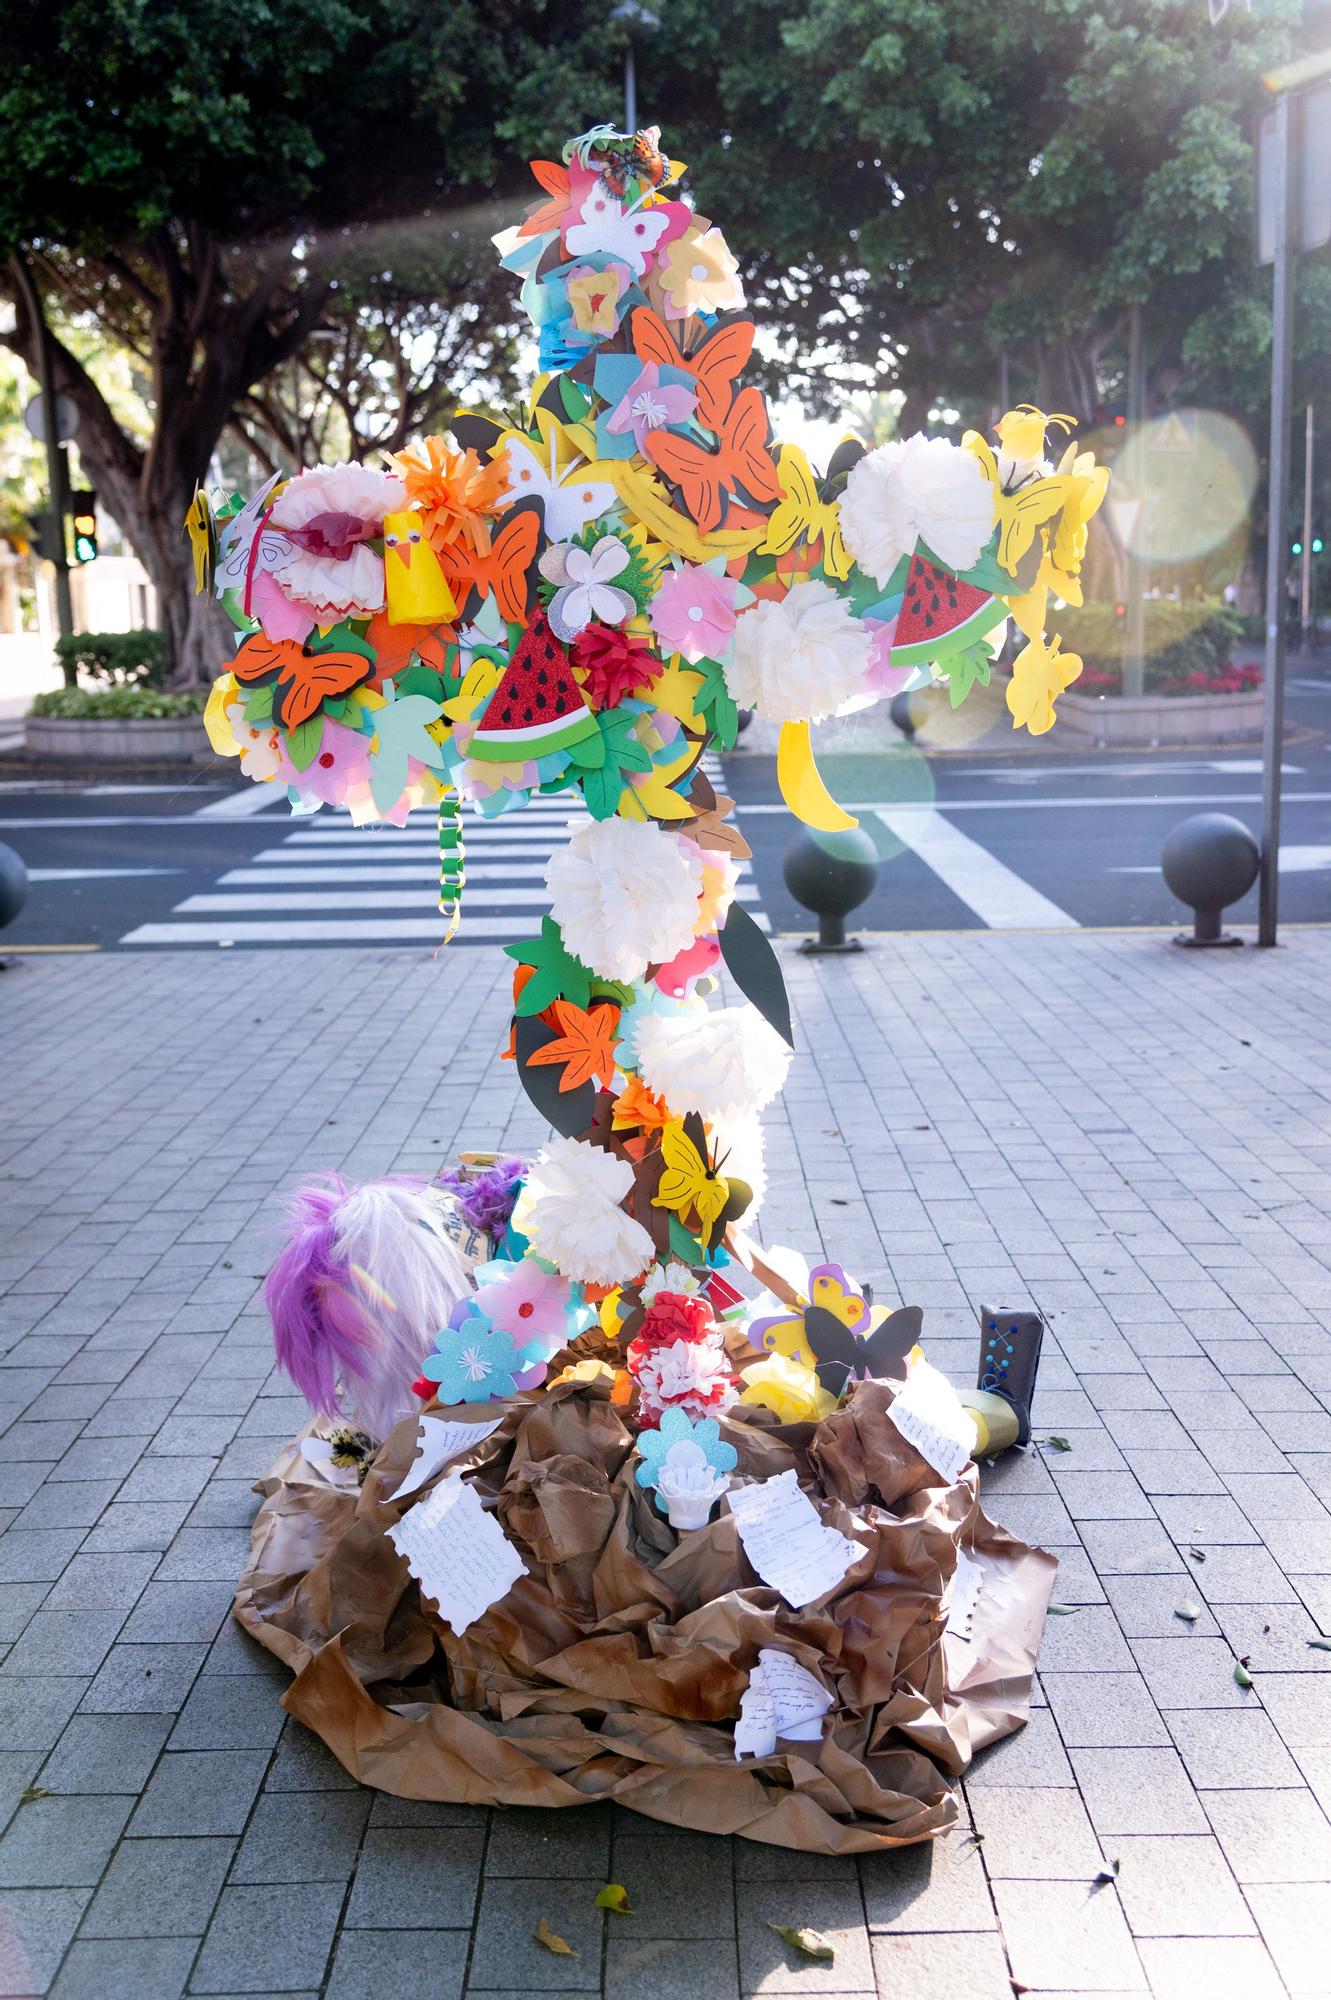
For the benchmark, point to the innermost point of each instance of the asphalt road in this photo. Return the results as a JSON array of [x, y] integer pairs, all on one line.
[[1029, 841]]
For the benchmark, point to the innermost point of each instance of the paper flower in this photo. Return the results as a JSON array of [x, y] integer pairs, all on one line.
[[594, 296], [698, 273], [526, 1300], [687, 1464], [670, 1277], [330, 515], [797, 658], [923, 490], [457, 495], [693, 1377], [604, 227], [587, 588], [649, 404], [340, 765], [613, 664], [569, 1213], [693, 613], [474, 1361], [260, 755], [636, 1110], [723, 1063], [739, 1142], [784, 1386], [625, 895], [1039, 673]]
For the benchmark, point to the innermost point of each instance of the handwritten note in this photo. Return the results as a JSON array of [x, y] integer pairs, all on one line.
[[929, 1414], [782, 1699], [437, 1440], [458, 1553], [964, 1595], [787, 1543]]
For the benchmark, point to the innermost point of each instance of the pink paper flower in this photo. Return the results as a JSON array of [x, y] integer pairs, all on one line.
[[648, 404], [341, 762], [693, 613], [883, 678], [330, 515], [526, 1301]]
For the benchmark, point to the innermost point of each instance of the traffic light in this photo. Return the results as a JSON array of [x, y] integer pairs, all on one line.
[[1318, 545], [83, 508]]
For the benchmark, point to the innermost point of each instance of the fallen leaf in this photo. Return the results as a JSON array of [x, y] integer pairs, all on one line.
[[31, 1792], [973, 1840], [812, 1943], [1063, 1610], [1242, 1676], [1059, 1443], [1188, 1611], [1197, 1555], [1320, 1645], [614, 1896], [1108, 1873], [552, 1940]]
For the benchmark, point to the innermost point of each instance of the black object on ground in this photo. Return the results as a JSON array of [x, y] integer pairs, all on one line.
[[1209, 862]]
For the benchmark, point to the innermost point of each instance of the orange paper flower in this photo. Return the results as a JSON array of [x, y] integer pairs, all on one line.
[[585, 1045], [456, 493], [637, 1109]]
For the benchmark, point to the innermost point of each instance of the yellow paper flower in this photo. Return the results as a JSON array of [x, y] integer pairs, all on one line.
[[594, 297], [699, 274], [1087, 482], [794, 1393], [221, 694], [1039, 673]]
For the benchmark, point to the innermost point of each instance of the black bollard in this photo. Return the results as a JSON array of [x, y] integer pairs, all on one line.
[[1209, 862], [13, 885], [831, 874]]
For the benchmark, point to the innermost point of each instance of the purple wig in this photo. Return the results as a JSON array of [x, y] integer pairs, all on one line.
[[487, 1198], [366, 1280]]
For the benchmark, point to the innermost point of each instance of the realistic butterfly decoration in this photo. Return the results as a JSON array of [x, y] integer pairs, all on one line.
[[692, 1182], [507, 572], [302, 680], [741, 459], [713, 365], [802, 516]]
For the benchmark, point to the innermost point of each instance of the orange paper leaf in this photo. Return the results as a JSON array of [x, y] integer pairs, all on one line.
[[585, 1045]]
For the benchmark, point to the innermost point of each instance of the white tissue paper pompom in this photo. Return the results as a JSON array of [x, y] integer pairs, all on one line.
[[797, 658], [926, 489], [625, 895], [569, 1213], [726, 1063]]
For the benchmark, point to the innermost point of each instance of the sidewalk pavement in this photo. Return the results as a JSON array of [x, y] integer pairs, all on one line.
[[1134, 1137]]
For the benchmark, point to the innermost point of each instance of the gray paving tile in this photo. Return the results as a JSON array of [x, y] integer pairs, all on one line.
[[1179, 1887], [768, 1965], [668, 1970], [304, 1764], [1268, 1836], [1146, 1607], [411, 1965], [1191, 1673], [1089, 1640], [201, 1792], [1062, 1940], [64, 1642], [1300, 1707], [268, 1940], [1220, 1968], [1036, 1832], [60, 1843], [143, 1679], [302, 1837], [1293, 1919], [180, 1612], [1232, 1750], [102, 1583], [403, 1872], [37, 1555], [34, 1711], [505, 1953], [939, 1885], [146, 1968], [941, 1967], [226, 1712], [159, 1888], [38, 1924], [1138, 1791], [105, 1753], [1033, 1755], [1105, 1711]]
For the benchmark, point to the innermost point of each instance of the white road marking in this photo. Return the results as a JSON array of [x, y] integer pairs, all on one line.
[[1293, 861], [244, 805], [345, 930], [998, 897], [1229, 767], [1086, 802], [423, 896], [93, 874]]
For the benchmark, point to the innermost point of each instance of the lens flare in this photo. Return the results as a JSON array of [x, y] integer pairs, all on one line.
[[1195, 472], [372, 1288]]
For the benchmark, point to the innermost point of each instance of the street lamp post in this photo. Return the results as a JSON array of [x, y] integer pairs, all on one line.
[[1273, 705]]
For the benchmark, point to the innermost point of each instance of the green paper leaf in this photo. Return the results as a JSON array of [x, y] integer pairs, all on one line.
[[1242, 1677], [420, 679], [715, 705], [342, 638], [259, 704], [615, 1897], [621, 751], [556, 974], [683, 1246], [1188, 1611], [303, 742], [965, 671], [401, 728], [811, 1944], [589, 752]]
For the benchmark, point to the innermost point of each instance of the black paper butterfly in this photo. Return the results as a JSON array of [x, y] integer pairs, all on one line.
[[842, 1355]]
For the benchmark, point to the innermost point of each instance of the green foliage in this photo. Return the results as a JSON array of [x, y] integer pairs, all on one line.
[[1183, 640], [116, 659], [119, 704]]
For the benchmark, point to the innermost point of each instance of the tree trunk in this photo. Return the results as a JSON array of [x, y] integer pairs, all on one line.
[[1067, 381]]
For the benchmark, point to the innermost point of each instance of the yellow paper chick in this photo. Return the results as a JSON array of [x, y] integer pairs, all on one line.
[[416, 588]]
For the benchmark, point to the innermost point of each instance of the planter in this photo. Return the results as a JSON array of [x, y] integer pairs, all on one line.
[[179, 740], [1114, 721]]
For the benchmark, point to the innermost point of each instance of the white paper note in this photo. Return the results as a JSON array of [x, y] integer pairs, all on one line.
[[787, 1543], [437, 1440], [929, 1414], [964, 1595], [318, 1452], [782, 1699], [458, 1553]]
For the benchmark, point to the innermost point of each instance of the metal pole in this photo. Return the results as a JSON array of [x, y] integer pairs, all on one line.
[[630, 91], [1004, 384], [1134, 648], [1306, 580], [56, 457], [1273, 714]]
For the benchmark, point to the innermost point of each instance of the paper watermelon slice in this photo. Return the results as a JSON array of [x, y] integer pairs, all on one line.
[[940, 615], [537, 706]]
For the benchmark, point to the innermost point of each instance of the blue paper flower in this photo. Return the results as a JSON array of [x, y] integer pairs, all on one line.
[[676, 1428], [473, 1361]]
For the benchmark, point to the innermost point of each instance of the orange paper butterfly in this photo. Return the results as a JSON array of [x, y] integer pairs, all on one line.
[[303, 679], [740, 459], [714, 365], [504, 572]]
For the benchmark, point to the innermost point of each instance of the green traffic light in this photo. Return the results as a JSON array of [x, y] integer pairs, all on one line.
[[1297, 548], [85, 548], [1318, 545]]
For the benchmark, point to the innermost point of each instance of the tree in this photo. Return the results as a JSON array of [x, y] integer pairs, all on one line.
[[194, 177]]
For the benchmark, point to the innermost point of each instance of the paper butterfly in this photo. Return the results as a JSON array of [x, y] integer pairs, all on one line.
[[505, 573], [690, 1181], [740, 460], [841, 1356], [569, 498], [713, 365], [606, 228], [302, 679], [802, 516]]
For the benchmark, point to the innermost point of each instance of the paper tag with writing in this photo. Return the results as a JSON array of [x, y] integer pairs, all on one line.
[[437, 1440], [458, 1553], [787, 1543], [964, 1595], [929, 1414], [782, 1699]]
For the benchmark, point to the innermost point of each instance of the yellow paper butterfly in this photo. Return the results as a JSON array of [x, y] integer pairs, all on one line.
[[690, 1181], [801, 516], [201, 529], [1018, 514]]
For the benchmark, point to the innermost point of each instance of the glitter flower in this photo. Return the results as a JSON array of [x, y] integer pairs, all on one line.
[[698, 273], [473, 1361], [693, 612]]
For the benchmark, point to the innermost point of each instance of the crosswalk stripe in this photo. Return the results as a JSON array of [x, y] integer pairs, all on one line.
[[999, 898]]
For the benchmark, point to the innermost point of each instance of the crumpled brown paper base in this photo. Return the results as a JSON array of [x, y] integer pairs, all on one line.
[[615, 1668]]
